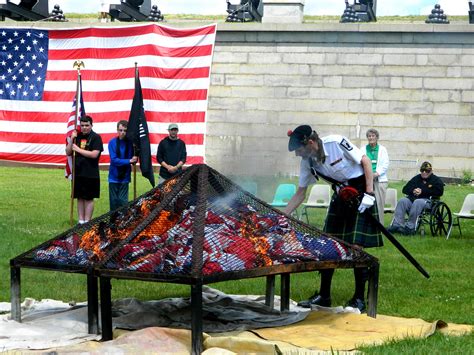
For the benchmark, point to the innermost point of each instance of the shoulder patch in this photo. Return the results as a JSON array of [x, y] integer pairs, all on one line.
[[346, 145]]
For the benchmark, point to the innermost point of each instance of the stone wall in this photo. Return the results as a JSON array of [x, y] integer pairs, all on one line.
[[412, 82]]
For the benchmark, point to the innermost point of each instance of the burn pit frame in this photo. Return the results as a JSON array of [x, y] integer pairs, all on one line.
[[201, 180]]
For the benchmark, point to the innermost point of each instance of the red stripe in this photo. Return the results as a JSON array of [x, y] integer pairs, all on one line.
[[166, 117], [131, 31], [59, 138], [129, 73], [60, 159], [148, 94], [114, 53]]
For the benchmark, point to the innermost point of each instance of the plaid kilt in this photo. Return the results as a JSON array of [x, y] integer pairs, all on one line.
[[352, 226]]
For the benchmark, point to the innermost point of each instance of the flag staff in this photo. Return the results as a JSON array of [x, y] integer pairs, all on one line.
[[78, 64], [135, 153]]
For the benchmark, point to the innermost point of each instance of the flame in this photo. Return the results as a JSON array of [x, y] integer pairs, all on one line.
[[250, 231]]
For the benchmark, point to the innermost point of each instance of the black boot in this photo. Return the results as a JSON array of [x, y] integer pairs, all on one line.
[[361, 276], [323, 297]]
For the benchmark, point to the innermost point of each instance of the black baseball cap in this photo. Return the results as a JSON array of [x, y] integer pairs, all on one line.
[[298, 137]]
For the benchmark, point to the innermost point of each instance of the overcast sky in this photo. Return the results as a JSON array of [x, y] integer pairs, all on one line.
[[312, 7]]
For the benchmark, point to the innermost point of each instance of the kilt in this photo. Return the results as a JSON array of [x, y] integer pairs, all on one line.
[[350, 225]]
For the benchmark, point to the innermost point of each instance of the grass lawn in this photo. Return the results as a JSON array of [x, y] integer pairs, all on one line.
[[35, 207]]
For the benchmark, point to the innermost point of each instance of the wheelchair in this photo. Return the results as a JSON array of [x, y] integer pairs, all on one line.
[[437, 216]]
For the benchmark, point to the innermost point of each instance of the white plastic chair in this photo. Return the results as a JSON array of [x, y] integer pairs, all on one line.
[[390, 201], [467, 211], [319, 197]]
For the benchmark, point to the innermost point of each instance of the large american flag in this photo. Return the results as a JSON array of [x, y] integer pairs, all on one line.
[[38, 85]]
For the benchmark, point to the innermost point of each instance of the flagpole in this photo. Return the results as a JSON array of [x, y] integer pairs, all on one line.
[[77, 65], [134, 150]]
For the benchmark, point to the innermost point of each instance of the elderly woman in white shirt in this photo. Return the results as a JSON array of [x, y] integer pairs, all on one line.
[[378, 155]]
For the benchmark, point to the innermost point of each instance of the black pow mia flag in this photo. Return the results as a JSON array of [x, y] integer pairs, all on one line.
[[137, 132]]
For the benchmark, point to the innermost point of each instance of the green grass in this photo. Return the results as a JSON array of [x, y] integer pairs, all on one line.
[[35, 207]]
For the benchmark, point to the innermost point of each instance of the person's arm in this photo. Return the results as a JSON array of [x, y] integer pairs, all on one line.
[[114, 159], [70, 143], [369, 178], [296, 200], [434, 188], [92, 154], [409, 187], [383, 160]]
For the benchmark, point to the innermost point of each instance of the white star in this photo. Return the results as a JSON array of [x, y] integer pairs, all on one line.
[[37, 94], [41, 49], [10, 41], [3, 77], [1, 92], [19, 86], [28, 34], [12, 92], [22, 56], [16, 48], [4, 47], [25, 93], [27, 64], [22, 40], [28, 48], [4, 33], [35, 41], [33, 57], [15, 34], [7, 85], [32, 87], [33, 72], [9, 70], [38, 78], [14, 77], [40, 65], [3, 63], [15, 63], [27, 78], [9, 56], [20, 70]]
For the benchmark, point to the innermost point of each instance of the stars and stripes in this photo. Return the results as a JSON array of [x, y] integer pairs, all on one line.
[[174, 68]]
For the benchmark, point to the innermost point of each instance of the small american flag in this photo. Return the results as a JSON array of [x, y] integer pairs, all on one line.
[[38, 84]]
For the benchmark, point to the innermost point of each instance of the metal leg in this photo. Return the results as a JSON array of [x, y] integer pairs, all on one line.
[[15, 293], [106, 308], [373, 290], [285, 292], [196, 319], [270, 291], [92, 304]]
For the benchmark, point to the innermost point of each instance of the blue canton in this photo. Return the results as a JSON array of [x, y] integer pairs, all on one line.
[[23, 64]]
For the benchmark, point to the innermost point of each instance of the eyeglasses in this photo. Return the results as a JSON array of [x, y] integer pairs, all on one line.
[[122, 130], [425, 170]]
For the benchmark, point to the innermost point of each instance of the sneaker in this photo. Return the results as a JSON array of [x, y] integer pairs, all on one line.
[[316, 300], [394, 229], [357, 303], [408, 231]]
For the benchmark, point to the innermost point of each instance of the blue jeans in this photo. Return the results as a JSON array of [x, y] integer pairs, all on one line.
[[118, 195]]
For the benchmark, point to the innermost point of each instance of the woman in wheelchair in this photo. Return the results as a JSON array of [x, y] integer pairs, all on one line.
[[419, 191]]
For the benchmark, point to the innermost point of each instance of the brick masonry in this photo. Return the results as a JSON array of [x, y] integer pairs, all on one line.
[[412, 82]]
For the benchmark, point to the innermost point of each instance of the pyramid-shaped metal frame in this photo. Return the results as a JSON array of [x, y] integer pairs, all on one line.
[[95, 249]]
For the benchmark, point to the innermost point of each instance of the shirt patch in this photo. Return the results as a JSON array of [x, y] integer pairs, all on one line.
[[336, 161], [346, 145]]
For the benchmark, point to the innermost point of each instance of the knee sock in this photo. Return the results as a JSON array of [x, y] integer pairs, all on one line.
[[361, 275], [326, 278]]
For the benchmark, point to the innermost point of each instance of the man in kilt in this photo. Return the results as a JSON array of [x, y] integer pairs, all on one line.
[[335, 159]]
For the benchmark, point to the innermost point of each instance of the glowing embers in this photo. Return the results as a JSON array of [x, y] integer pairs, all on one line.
[[79, 247], [240, 239]]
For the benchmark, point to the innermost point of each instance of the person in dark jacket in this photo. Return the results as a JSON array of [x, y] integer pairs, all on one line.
[[171, 153], [419, 191]]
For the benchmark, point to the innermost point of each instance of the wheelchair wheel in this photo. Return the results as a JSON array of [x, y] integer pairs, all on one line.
[[441, 220]]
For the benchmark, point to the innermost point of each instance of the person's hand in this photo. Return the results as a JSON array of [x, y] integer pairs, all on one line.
[[74, 134], [172, 169], [417, 191], [367, 202], [75, 148], [133, 160]]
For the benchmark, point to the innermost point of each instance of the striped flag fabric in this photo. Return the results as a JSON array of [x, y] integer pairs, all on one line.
[[73, 124], [38, 84]]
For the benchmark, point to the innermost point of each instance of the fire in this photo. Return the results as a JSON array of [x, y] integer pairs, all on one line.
[[249, 230]]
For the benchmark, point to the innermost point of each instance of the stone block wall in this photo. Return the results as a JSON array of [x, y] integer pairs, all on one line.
[[412, 82]]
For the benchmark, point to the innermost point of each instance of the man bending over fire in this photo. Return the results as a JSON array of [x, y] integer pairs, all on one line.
[[335, 159]]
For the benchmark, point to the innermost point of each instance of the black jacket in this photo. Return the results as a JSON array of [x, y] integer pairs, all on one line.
[[431, 187]]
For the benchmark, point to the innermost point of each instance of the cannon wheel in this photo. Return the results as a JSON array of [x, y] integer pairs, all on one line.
[[441, 220]]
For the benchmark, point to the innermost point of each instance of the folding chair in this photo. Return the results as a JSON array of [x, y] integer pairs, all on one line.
[[283, 194], [390, 201], [467, 211], [319, 197]]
